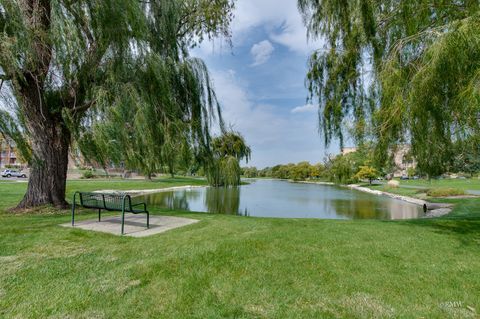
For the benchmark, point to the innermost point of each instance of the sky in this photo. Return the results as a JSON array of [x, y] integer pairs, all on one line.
[[260, 83]]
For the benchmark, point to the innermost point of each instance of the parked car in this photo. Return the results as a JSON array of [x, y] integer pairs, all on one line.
[[13, 173], [404, 177]]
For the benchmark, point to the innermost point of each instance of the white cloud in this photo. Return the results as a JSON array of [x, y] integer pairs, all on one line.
[[275, 137], [307, 108], [293, 35], [261, 52], [282, 22]]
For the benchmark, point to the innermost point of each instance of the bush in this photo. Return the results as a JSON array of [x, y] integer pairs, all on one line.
[[12, 166], [444, 192], [393, 184], [88, 174]]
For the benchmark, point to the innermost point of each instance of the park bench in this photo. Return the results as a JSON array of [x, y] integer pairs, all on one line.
[[109, 202]]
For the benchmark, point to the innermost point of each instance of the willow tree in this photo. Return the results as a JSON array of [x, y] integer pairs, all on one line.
[[400, 70], [62, 62], [222, 167]]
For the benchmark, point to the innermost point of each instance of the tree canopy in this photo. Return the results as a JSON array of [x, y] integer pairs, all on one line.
[[222, 166], [366, 172], [115, 76], [399, 70]]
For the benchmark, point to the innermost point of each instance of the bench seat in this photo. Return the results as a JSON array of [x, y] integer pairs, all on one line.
[[110, 202]]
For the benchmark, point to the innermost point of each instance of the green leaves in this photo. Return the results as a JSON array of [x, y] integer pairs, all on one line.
[[116, 74], [231, 144], [402, 71], [10, 128], [366, 172], [222, 165]]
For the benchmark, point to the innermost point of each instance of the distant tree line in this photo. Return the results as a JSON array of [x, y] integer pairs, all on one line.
[[361, 166], [300, 171], [340, 169]]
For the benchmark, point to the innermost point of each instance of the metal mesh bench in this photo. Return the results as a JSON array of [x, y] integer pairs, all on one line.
[[109, 202]]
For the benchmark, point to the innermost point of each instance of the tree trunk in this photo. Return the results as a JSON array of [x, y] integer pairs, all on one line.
[[48, 171]]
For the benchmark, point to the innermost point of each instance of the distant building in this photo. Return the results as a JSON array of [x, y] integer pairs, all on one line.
[[8, 154], [348, 150], [75, 159], [403, 160]]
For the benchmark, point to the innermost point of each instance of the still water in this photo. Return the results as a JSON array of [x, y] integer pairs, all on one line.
[[275, 198]]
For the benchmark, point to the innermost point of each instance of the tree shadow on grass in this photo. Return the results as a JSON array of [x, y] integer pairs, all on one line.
[[463, 222]]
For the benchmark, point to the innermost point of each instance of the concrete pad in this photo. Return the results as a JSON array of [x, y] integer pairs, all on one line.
[[135, 225]]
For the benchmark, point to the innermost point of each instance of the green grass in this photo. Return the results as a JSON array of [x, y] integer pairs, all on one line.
[[412, 192], [464, 184], [445, 192], [422, 193], [239, 267], [9, 195]]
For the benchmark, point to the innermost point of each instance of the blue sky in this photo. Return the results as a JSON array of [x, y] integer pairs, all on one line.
[[260, 83]]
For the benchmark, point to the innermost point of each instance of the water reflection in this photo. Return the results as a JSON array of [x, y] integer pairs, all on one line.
[[178, 200], [225, 200], [269, 198]]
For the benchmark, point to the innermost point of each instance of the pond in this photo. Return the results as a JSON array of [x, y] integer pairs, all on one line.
[[276, 198]]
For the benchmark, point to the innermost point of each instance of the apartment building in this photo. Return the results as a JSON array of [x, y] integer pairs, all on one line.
[[401, 157], [8, 155]]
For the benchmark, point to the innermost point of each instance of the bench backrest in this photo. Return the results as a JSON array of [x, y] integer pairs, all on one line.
[[105, 201]]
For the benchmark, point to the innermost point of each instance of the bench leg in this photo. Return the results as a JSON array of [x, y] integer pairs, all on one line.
[[99, 214], [148, 220], [73, 214], [123, 221]]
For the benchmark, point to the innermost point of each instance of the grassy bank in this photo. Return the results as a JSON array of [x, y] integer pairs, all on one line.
[[431, 194], [464, 184], [10, 194], [228, 266]]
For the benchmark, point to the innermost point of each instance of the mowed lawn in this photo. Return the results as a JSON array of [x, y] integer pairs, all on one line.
[[417, 188], [464, 184], [238, 267]]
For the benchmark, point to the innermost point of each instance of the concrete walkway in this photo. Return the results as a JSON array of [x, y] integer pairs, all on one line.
[[135, 225]]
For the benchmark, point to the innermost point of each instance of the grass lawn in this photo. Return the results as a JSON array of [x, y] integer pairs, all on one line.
[[465, 184], [417, 188], [412, 192], [239, 267]]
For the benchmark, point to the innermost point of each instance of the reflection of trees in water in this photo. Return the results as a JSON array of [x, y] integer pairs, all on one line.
[[359, 209], [401, 210], [371, 209], [171, 200], [224, 200]]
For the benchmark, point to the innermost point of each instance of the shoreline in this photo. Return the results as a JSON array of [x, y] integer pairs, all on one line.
[[138, 192], [439, 209]]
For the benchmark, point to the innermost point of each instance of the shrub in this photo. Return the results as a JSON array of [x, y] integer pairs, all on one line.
[[366, 172], [393, 184], [88, 174], [444, 192], [12, 166]]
